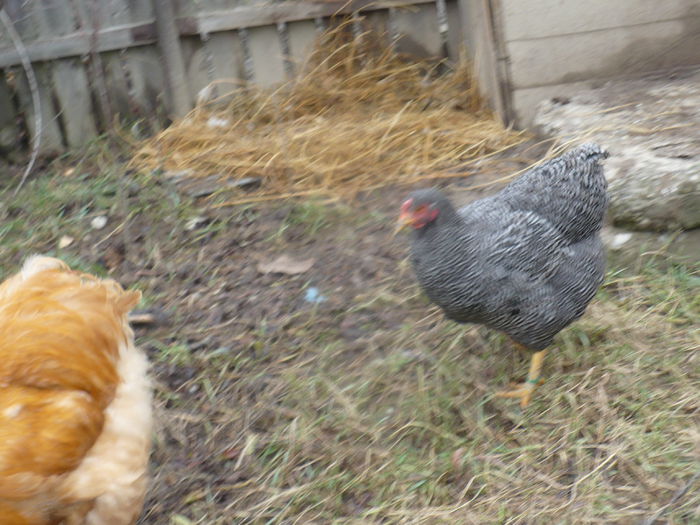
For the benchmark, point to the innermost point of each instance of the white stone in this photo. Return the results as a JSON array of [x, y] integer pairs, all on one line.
[[651, 127], [620, 239], [98, 222]]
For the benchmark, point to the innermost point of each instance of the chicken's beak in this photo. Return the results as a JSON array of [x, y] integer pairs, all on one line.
[[404, 221]]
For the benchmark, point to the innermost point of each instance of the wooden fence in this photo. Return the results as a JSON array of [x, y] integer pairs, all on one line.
[[150, 60]]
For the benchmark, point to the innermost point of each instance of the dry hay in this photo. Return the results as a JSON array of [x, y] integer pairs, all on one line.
[[359, 117]]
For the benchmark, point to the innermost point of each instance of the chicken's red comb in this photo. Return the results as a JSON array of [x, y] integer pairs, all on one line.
[[406, 205]]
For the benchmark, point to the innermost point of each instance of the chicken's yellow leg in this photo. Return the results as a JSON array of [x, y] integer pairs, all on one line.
[[525, 390]]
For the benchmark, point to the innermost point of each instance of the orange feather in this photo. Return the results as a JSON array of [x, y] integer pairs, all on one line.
[[66, 354]]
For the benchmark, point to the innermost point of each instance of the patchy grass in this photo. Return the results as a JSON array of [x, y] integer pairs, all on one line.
[[369, 407]]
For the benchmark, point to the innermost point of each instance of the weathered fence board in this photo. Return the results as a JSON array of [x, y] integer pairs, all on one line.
[[266, 55], [143, 67], [227, 55], [31, 23], [7, 110], [302, 35], [144, 70], [71, 90], [78, 43], [456, 34], [179, 90], [9, 133], [198, 66], [117, 84], [74, 101], [111, 12], [378, 23], [51, 137], [255, 15], [418, 31], [10, 130]]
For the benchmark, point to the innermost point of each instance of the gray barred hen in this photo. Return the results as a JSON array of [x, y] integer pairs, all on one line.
[[526, 261]]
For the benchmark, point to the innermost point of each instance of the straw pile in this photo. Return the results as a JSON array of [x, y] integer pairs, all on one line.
[[359, 117]]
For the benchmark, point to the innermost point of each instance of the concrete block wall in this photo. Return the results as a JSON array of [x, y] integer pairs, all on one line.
[[552, 48]]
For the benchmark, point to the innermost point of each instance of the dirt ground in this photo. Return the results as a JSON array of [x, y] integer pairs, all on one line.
[[366, 406], [219, 305]]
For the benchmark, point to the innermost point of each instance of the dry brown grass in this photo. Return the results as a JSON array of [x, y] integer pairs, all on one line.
[[359, 117]]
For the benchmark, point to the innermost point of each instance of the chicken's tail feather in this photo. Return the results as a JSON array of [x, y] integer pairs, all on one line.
[[123, 301], [40, 263], [589, 150]]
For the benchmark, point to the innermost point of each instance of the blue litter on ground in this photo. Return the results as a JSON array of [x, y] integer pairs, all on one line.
[[313, 296]]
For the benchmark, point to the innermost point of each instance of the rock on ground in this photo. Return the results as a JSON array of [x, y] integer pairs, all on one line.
[[628, 249], [651, 127]]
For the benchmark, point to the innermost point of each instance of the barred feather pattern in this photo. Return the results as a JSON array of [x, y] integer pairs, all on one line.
[[526, 261]]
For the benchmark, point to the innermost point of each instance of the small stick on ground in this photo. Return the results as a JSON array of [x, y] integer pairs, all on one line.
[[147, 317]]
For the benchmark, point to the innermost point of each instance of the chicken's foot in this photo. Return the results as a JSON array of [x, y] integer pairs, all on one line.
[[524, 391]]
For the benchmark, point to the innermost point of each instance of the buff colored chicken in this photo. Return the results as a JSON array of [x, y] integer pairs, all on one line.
[[75, 400]]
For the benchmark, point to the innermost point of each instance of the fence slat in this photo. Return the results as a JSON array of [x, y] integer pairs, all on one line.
[[227, 58], [302, 36], [147, 82], [197, 67], [22, 14], [478, 17], [169, 44], [70, 81], [73, 95], [111, 12], [266, 55], [378, 23], [78, 44], [28, 23], [418, 31], [9, 129], [91, 17], [140, 10], [117, 85], [9, 132], [246, 17], [51, 138], [455, 32], [142, 69]]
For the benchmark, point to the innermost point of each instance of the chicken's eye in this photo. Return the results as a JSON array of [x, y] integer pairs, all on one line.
[[424, 214]]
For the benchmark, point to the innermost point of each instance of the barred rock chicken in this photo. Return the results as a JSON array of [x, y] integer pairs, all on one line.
[[526, 261], [75, 401]]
